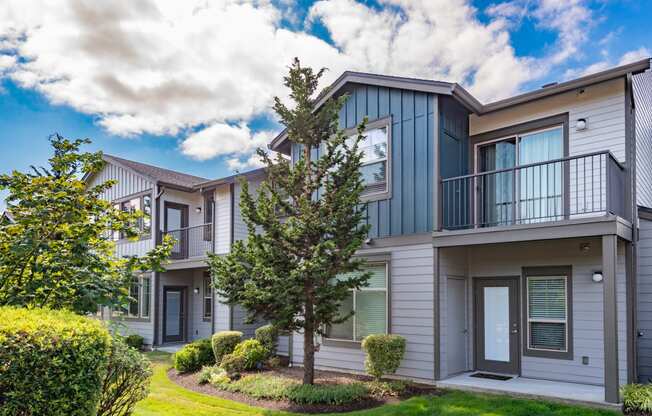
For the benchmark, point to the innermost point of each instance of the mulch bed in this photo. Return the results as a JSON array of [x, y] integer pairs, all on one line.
[[191, 382]]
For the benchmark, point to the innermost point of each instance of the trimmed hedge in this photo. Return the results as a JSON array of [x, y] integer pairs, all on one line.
[[224, 343], [51, 362], [384, 354], [268, 336], [232, 364], [252, 352], [194, 356]]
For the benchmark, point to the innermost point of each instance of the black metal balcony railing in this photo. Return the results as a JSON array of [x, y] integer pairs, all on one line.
[[192, 241], [553, 190]]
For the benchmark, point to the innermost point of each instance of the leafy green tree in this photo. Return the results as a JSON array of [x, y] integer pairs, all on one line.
[[305, 225], [59, 253]]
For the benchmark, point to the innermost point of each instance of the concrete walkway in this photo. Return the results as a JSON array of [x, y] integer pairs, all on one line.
[[528, 387]]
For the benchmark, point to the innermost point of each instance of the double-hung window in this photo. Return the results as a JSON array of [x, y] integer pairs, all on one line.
[[548, 303], [208, 297], [370, 307], [375, 148], [140, 293]]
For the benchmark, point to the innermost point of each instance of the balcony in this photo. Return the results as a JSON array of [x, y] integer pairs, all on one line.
[[573, 187], [192, 242]]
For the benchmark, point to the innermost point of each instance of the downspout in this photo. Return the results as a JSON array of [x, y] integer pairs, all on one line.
[[231, 240], [157, 240], [213, 238]]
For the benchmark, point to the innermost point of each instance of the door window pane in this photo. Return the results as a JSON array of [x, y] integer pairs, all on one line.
[[172, 316], [497, 189], [496, 323]]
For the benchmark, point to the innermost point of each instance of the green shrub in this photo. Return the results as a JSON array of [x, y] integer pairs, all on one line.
[[214, 375], [637, 398], [268, 336], [126, 381], [384, 354], [261, 386], [51, 362], [135, 341], [252, 352], [233, 364], [224, 343], [332, 394], [273, 362], [194, 356], [379, 388]]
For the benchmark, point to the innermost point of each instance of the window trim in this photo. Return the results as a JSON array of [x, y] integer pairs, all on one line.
[[566, 271], [207, 318], [352, 343], [371, 125], [127, 316], [117, 204]]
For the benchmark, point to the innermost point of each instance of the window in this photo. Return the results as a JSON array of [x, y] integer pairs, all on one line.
[[209, 203], [208, 296], [370, 306], [139, 203], [547, 312], [140, 292], [374, 168]]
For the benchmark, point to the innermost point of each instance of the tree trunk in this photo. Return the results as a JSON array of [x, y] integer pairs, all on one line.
[[308, 355]]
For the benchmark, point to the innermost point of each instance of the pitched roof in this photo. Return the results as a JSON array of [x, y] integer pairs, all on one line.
[[157, 174], [279, 143]]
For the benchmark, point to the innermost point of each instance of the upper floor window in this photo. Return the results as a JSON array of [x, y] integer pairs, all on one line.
[[138, 203], [375, 148], [370, 306]]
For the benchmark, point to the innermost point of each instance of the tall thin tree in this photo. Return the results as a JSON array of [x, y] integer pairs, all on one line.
[[305, 225]]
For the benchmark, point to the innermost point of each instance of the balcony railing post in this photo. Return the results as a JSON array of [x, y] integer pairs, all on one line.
[[608, 186]]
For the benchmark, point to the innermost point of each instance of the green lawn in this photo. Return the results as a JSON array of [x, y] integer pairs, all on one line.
[[167, 398]]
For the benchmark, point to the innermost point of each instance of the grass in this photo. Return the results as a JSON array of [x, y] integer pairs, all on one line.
[[168, 399]]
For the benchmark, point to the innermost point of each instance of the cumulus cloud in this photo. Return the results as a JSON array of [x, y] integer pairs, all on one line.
[[626, 58], [202, 70]]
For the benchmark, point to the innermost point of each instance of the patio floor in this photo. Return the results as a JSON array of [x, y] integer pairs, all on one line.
[[529, 387]]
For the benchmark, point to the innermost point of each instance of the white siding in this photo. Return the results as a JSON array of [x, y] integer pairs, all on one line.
[[239, 227], [127, 184], [411, 310], [222, 219], [643, 104]]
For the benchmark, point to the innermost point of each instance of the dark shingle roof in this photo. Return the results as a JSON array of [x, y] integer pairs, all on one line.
[[165, 176]]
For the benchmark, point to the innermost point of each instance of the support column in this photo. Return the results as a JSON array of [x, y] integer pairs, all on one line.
[[609, 257]]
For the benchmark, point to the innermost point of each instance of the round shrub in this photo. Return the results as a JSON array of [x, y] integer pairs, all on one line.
[[224, 343], [135, 341], [252, 352], [233, 365], [126, 381], [194, 356], [51, 362], [214, 375], [384, 354], [268, 336]]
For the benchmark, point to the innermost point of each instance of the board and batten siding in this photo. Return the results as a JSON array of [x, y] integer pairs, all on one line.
[[644, 299], [643, 104], [409, 210], [587, 303], [411, 294], [127, 184]]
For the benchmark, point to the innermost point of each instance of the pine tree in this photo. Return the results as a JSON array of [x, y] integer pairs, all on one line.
[[305, 225]]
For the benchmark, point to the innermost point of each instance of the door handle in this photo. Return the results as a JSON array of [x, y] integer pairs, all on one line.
[[514, 331]]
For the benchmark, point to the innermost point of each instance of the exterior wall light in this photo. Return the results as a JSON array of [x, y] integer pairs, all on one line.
[[198, 210], [597, 277], [196, 291], [581, 124]]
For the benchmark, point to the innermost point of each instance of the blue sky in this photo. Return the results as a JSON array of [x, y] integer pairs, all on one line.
[[190, 88]]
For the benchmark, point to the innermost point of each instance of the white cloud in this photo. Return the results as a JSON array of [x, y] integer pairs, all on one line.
[[635, 55], [222, 139], [172, 67], [238, 165], [626, 58]]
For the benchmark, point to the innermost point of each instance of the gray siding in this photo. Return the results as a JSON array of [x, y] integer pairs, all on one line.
[[644, 307], [643, 104], [587, 307], [411, 311], [409, 210], [239, 227], [239, 315]]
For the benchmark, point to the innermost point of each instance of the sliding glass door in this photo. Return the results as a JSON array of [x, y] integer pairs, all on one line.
[[513, 191]]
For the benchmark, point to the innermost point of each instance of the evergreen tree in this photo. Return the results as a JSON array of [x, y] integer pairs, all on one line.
[[306, 223]]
